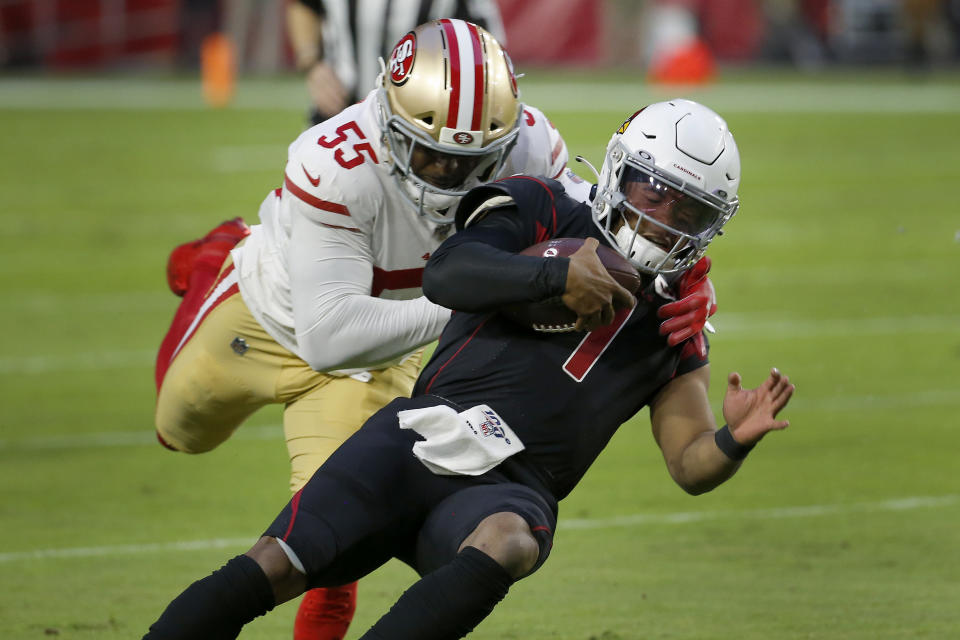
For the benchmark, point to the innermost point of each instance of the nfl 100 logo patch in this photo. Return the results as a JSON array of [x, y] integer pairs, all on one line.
[[492, 426]]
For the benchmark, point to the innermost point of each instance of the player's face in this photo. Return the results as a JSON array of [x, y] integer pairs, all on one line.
[[442, 170], [665, 210]]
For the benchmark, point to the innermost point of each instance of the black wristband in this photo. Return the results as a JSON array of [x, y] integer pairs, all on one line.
[[730, 447]]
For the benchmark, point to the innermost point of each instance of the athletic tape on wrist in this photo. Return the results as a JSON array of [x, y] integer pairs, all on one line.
[[730, 447]]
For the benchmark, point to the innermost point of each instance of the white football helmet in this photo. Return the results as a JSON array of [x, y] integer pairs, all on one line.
[[448, 95], [668, 185]]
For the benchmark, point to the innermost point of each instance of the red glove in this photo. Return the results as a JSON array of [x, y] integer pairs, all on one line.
[[697, 301]]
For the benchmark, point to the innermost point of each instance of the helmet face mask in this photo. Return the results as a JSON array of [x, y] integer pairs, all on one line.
[[667, 186], [449, 113]]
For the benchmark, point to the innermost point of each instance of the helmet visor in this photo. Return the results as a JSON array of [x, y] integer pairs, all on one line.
[[444, 170], [661, 212], [441, 168], [663, 226]]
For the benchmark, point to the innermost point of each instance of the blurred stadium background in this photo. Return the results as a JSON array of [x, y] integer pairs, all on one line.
[[63, 35], [842, 269]]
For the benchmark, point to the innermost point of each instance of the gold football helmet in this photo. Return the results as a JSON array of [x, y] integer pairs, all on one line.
[[449, 112]]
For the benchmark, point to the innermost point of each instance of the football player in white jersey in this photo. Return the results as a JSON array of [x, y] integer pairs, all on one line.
[[319, 306]]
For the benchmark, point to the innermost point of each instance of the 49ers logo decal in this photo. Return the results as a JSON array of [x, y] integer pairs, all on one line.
[[401, 60], [462, 137]]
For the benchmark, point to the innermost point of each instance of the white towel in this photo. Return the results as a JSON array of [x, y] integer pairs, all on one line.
[[468, 443]]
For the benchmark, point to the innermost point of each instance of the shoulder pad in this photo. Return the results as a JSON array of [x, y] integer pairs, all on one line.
[[528, 193], [495, 202], [327, 182], [475, 200]]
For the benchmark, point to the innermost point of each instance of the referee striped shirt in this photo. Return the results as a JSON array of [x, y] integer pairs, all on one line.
[[358, 32]]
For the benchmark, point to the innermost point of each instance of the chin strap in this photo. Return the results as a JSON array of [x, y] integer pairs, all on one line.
[[640, 251]]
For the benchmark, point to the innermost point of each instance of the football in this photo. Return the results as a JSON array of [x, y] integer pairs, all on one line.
[[551, 315]]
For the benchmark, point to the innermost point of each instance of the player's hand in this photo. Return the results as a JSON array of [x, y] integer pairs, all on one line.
[[696, 301], [326, 90], [752, 413], [591, 292]]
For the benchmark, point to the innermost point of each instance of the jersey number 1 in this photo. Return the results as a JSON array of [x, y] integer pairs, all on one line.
[[358, 149]]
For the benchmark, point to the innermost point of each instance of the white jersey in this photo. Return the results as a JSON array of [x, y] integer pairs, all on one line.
[[334, 269]]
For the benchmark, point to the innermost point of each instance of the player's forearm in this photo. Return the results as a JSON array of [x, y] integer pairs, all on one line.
[[703, 466], [475, 276], [361, 331], [304, 31]]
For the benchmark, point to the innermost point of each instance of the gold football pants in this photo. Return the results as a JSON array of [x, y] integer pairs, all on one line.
[[230, 367]]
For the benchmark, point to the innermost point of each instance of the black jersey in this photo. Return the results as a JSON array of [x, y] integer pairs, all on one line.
[[563, 394]]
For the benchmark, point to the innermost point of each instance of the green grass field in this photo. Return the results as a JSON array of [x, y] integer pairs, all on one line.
[[842, 269]]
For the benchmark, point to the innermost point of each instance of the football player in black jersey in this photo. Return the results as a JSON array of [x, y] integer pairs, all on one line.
[[462, 480]]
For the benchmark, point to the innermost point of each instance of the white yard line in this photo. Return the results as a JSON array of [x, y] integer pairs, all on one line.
[[59, 303], [146, 437], [142, 437], [91, 361], [748, 97], [783, 326], [877, 402], [289, 94], [634, 520], [729, 326], [776, 513], [127, 549]]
